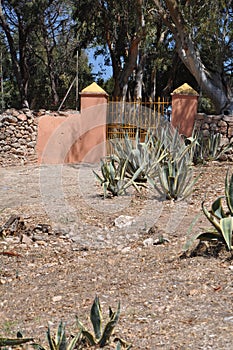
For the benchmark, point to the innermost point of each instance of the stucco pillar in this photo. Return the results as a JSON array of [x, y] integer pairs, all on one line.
[[184, 109], [93, 95]]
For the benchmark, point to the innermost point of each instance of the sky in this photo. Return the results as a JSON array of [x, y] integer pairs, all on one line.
[[98, 65]]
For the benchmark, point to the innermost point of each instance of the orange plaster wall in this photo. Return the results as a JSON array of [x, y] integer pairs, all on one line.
[[73, 139], [90, 100], [184, 111]]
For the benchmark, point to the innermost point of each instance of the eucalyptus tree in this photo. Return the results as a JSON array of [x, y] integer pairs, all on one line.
[[116, 26], [203, 37]]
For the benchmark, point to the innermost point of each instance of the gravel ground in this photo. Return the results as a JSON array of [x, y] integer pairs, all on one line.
[[168, 300]]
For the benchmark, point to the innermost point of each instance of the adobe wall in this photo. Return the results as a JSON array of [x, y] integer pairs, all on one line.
[[74, 138]]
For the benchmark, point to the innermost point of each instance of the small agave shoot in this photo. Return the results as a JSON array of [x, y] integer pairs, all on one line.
[[101, 336], [59, 342], [221, 219]]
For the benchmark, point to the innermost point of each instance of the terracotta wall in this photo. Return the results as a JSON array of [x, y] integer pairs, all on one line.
[[79, 137]]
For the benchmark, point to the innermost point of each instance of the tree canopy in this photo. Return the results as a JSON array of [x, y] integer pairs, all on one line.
[[153, 46]]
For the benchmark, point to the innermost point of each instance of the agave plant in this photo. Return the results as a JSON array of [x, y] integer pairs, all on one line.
[[174, 179], [101, 336], [174, 174], [114, 180], [221, 219], [208, 148], [143, 157]]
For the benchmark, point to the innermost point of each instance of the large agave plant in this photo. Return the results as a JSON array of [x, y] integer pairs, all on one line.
[[174, 179], [208, 148], [221, 219], [174, 173], [143, 157], [101, 336]]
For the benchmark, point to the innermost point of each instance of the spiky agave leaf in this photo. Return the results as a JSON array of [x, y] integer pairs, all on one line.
[[14, 341], [226, 225], [122, 344], [74, 341], [212, 218], [109, 327], [217, 208], [51, 341], [96, 318], [229, 192], [85, 333], [61, 337]]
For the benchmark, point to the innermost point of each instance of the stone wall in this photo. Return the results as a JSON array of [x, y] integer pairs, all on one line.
[[216, 124], [18, 135], [222, 124]]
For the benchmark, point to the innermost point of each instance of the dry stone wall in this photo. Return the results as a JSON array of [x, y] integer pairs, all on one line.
[[222, 124], [18, 134]]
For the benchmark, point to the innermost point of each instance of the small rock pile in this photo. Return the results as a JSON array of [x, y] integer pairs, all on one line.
[[18, 135]]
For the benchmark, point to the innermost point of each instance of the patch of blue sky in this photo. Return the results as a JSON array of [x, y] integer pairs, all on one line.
[[98, 62]]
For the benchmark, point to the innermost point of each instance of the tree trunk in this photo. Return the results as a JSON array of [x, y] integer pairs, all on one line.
[[20, 67], [212, 83], [139, 78]]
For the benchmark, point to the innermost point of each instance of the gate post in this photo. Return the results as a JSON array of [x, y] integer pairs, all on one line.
[[184, 109], [91, 143], [93, 95]]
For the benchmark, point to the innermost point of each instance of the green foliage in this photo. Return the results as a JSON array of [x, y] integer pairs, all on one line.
[[175, 179], [83, 338], [101, 336], [221, 219], [163, 160], [143, 157]]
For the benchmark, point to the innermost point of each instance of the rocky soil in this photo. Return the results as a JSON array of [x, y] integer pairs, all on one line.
[[66, 245]]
